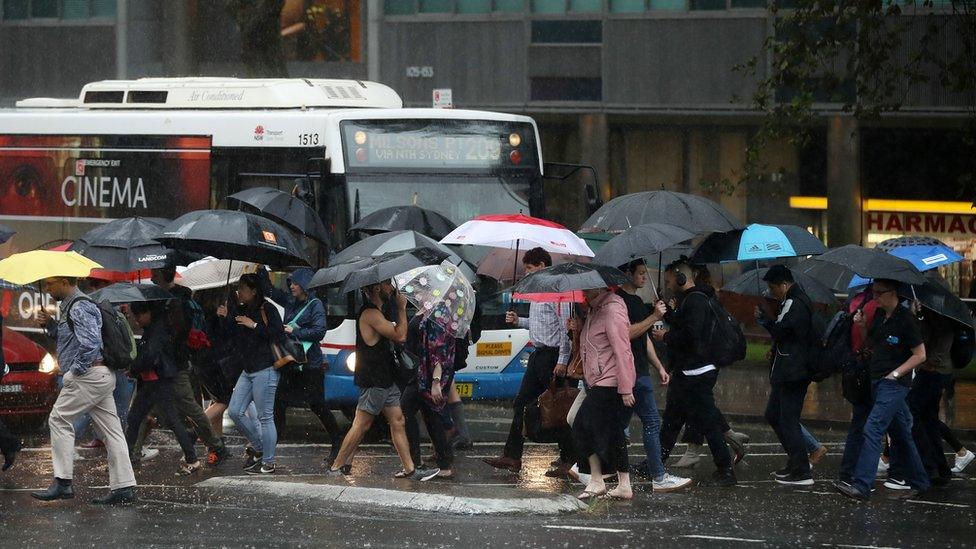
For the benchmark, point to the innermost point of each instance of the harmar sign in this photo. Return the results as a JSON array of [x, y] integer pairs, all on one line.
[[926, 223]]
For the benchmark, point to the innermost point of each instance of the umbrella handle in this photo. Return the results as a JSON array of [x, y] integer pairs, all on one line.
[[230, 265], [518, 241]]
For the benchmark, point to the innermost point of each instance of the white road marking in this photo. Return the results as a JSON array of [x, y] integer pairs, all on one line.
[[587, 528], [722, 538], [856, 546], [937, 503]]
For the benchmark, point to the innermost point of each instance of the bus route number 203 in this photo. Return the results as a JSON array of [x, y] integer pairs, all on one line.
[[308, 139]]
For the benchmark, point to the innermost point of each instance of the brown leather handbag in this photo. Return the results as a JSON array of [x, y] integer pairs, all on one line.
[[555, 402], [575, 368]]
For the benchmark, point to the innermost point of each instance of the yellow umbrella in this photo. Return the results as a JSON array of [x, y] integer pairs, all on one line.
[[28, 267]]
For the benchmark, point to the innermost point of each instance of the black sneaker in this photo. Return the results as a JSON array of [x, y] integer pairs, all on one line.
[[796, 479], [254, 469], [782, 473], [896, 484], [722, 478], [850, 491], [251, 457], [264, 469]]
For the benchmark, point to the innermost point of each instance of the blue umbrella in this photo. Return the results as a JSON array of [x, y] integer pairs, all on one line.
[[5, 233], [925, 253], [756, 243]]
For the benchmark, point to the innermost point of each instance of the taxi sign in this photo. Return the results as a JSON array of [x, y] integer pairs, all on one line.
[[501, 348]]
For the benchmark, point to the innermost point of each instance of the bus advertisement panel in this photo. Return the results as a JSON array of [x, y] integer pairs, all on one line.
[[55, 188]]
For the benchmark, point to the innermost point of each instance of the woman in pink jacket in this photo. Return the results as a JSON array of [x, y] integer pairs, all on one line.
[[608, 369]]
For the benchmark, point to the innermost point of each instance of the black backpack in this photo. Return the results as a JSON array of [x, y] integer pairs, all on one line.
[[187, 328], [831, 353], [726, 343], [118, 340]]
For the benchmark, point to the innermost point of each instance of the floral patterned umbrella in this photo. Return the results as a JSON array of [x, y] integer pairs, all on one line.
[[442, 292]]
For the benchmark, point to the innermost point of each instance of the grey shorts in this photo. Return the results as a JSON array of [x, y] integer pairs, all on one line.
[[373, 400]]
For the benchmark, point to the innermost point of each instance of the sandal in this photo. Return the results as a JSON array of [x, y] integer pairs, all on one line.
[[588, 494], [615, 497], [402, 473]]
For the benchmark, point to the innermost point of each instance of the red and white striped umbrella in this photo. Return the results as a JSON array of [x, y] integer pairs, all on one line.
[[517, 232]]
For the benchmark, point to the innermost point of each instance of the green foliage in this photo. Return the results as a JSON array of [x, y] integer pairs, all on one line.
[[861, 58]]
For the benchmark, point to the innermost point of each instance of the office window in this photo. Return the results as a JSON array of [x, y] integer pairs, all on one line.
[[549, 6], [44, 8], [473, 6], [509, 5], [436, 6], [706, 4], [585, 6], [399, 7], [626, 6], [566, 89], [667, 4], [567, 32], [322, 30], [14, 10]]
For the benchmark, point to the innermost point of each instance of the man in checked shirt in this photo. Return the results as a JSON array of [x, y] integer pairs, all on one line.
[[549, 336]]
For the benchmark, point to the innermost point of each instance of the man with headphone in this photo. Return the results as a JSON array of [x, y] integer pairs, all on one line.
[[694, 373]]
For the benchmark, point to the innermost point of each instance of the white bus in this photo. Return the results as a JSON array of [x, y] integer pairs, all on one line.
[[160, 147]]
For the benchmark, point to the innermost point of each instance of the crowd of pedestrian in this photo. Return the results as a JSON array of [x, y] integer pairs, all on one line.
[[613, 347]]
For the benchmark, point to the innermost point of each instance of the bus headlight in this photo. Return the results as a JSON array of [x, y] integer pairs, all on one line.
[[48, 365], [351, 362], [360, 137], [515, 140]]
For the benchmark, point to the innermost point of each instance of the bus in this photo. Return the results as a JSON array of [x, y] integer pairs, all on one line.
[[160, 147]]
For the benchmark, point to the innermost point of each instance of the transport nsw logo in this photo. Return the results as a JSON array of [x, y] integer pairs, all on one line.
[[259, 133]]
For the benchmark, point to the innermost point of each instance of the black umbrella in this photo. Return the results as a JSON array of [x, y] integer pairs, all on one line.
[[125, 245], [837, 267], [5, 233], [398, 241], [288, 210], [385, 267], [641, 241], [126, 292], [936, 297], [412, 218], [338, 272], [750, 282], [235, 235], [569, 277], [694, 213]]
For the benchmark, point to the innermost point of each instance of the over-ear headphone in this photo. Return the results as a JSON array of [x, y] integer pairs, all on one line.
[[680, 278]]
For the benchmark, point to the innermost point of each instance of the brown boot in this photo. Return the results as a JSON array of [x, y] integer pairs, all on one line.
[[559, 471], [507, 463]]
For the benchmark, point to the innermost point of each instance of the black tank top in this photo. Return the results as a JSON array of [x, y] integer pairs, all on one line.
[[374, 363]]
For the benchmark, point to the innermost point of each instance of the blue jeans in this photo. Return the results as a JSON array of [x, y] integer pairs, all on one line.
[[124, 387], [889, 414], [259, 388], [809, 440], [646, 409]]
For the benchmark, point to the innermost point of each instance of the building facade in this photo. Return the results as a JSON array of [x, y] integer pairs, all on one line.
[[642, 90]]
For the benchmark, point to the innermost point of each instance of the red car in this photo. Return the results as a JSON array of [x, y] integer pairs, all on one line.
[[28, 392]]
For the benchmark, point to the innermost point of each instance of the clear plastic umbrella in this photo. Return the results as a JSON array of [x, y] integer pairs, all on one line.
[[442, 292]]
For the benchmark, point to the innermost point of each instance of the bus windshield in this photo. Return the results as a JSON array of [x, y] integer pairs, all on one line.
[[459, 197]]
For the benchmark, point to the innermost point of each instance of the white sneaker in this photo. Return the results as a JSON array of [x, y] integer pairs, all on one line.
[[690, 458], [670, 483], [149, 453], [882, 468], [963, 462]]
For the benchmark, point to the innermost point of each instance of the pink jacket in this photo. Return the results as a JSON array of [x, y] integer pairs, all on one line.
[[605, 345]]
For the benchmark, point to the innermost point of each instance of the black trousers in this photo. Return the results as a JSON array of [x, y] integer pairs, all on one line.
[[691, 400], [158, 395], [783, 413], [693, 435], [311, 381], [412, 402], [924, 401], [8, 442], [535, 381]]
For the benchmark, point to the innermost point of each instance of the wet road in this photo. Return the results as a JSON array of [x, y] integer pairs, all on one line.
[[173, 512]]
